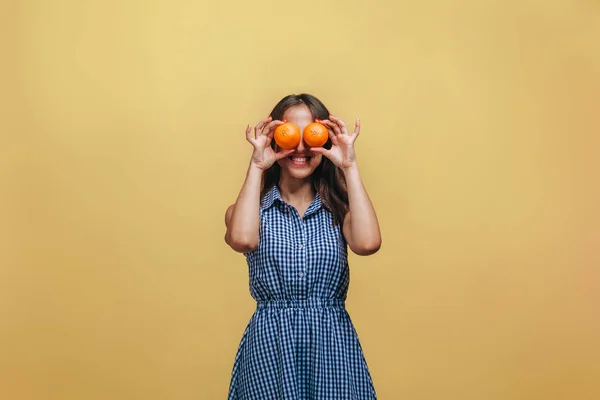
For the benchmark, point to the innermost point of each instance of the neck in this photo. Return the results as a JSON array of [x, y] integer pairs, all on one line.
[[293, 190]]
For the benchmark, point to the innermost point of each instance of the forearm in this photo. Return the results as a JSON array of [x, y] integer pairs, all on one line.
[[363, 228], [243, 226]]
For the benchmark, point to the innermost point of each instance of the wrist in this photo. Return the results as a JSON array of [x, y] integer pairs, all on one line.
[[255, 169], [350, 170]]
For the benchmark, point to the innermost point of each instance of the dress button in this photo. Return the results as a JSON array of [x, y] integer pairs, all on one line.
[[301, 246]]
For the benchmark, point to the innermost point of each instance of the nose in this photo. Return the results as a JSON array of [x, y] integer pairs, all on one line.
[[301, 146]]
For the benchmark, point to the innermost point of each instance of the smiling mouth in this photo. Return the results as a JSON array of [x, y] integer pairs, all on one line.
[[300, 160]]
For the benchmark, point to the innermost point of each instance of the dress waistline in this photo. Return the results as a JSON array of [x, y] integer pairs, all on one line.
[[304, 303]]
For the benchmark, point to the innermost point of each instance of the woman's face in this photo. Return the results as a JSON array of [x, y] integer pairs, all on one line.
[[302, 163]]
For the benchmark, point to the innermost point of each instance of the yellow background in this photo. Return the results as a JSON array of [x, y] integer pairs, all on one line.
[[122, 143]]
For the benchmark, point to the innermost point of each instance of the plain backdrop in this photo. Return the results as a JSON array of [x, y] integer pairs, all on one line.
[[122, 143]]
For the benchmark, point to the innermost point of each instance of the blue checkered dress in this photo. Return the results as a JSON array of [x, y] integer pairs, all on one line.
[[300, 343]]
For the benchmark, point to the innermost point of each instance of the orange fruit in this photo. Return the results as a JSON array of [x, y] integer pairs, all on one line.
[[316, 134], [287, 136]]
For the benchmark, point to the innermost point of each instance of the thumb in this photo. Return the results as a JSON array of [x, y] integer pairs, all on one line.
[[321, 150], [283, 154]]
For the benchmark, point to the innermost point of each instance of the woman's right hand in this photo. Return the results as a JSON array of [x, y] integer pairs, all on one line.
[[264, 156]]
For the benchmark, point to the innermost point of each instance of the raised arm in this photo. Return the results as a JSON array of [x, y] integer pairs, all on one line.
[[242, 218], [361, 228]]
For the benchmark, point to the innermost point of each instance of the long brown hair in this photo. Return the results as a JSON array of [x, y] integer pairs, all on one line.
[[328, 180]]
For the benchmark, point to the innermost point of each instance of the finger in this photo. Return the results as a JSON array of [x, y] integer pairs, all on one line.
[[335, 127], [258, 128], [356, 128], [269, 130], [330, 129], [284, 153], [334, 138], [341, 124], [331, 125], [321, 150], [249, 136]]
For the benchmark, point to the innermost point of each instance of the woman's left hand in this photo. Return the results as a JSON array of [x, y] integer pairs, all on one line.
[[342, 143]]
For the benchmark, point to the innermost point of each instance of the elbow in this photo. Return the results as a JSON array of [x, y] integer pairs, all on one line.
[[242, 243], [367, 248]]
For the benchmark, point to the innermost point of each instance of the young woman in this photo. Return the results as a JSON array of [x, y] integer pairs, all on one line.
[[297, 213]]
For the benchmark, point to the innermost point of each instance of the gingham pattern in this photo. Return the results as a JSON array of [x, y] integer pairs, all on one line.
[[300, 343]]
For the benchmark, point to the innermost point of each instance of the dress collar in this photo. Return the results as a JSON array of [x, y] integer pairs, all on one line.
[[274, 195]]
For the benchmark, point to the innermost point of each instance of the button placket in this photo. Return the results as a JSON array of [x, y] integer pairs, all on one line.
[[302, 247]]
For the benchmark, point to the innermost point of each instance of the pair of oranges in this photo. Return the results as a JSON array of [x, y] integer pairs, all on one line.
[[287, 136]]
